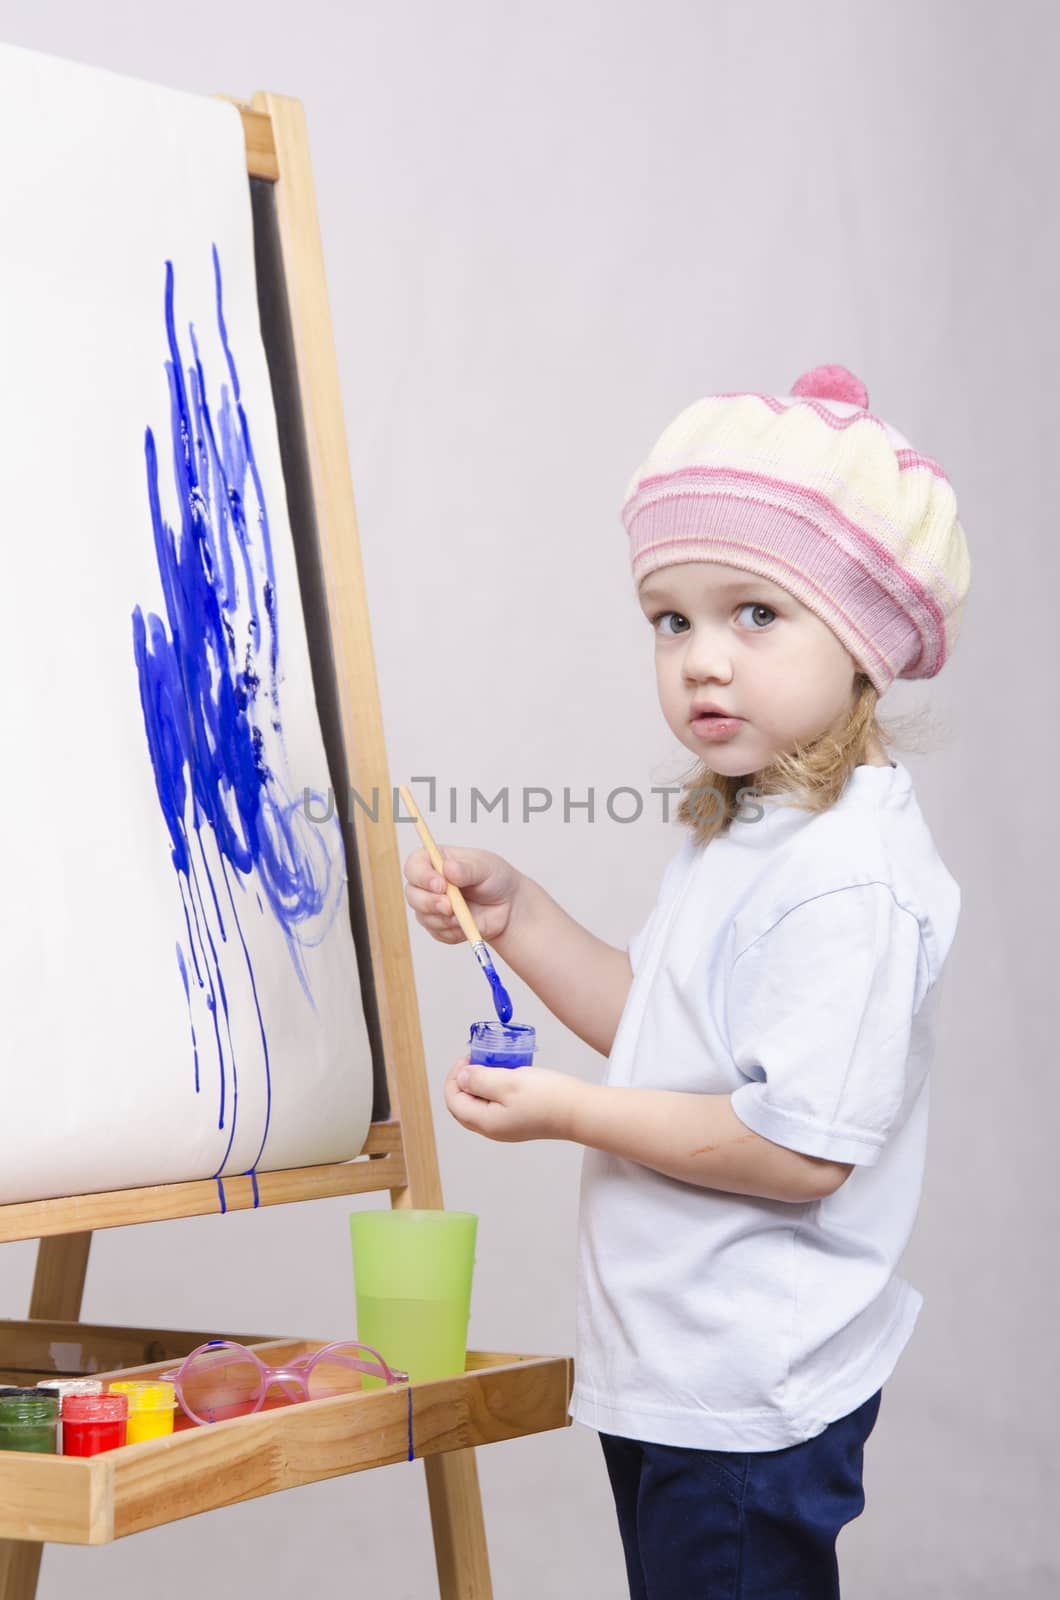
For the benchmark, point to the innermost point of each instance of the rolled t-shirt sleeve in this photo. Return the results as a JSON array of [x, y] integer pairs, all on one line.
[[820, 1012]]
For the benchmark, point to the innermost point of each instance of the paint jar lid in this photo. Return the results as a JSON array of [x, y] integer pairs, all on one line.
[[156, 1395], [27, 1405], [64, 1386], [499, 1036], [95, 1408]]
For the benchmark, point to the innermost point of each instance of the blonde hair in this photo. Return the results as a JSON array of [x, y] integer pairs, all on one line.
[[812, 776]]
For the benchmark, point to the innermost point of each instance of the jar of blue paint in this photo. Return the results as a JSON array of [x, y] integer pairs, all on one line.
[[500, 1044]]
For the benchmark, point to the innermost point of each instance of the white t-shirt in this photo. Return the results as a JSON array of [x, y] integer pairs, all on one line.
[[792, 963]]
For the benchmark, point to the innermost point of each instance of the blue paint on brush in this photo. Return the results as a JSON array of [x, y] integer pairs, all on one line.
[[209, 677], [502, 1002]]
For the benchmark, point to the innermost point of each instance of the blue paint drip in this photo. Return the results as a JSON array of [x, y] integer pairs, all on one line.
[[261, 1030], [191, 941], [215, 971], [221, 1192], [211, 998], [252, 1175], [191, 1019], [204, 702]]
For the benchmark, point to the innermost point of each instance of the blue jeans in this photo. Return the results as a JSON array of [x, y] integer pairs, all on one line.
[[729, 1525]]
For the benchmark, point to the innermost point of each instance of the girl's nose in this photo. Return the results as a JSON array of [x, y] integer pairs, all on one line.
[[706, 658]]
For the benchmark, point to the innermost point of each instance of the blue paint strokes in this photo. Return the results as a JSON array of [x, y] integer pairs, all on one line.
[[221, 1192], [252, 1175], [208, 673]]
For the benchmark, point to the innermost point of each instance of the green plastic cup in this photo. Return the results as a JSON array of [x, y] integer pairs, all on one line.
[[412, 1275]]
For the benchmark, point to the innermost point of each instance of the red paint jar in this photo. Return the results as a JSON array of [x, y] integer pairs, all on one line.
[[93, 1422]]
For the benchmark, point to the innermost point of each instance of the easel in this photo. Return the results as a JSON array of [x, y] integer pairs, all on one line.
[[500, 1395]]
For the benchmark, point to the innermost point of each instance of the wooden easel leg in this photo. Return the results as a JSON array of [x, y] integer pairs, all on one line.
[[59, 1281], [459, 1531], [58, 1285], [19, 1569]]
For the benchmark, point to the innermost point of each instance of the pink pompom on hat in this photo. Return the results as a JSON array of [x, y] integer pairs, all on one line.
[[815, 492]]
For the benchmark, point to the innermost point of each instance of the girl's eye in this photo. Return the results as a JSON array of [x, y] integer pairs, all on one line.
[[753, 605], [672, 623], [665, 616]]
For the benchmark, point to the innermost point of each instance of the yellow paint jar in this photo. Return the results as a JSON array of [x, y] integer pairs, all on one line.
[[151, 1406]]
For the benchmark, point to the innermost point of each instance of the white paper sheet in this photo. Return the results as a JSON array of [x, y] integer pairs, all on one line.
[[180, 985]]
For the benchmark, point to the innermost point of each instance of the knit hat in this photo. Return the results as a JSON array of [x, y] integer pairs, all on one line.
[[815, 492]]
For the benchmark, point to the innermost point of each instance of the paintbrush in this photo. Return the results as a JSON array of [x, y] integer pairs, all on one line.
[[501, 998]]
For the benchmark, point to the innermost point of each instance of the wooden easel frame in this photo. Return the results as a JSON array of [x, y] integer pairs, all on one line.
[[400, 1154]]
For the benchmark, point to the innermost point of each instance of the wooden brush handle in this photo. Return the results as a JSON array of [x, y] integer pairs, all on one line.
[[456, 899]]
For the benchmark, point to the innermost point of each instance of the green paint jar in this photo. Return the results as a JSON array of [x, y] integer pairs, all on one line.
[[28, 1421]]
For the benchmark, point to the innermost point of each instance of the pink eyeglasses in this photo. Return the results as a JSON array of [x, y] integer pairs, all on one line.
[[224, 1379]]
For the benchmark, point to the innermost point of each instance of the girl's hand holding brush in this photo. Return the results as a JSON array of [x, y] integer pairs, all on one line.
[[502, 1000], [437, 883], [583, 980], [488, 883], [485, 1099]]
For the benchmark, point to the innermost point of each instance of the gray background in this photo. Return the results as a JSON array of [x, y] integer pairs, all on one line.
[[547, 229]]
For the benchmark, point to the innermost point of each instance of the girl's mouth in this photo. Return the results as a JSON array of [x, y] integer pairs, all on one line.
[[711, 726]]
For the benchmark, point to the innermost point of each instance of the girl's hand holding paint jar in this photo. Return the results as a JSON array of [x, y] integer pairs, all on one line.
[[532, 1103], [488, 883]]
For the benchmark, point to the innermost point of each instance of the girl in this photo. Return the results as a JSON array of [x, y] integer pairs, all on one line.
[[754, 1160]]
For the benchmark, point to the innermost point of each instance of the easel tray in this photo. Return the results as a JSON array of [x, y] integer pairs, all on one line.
[[93, 1500]]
